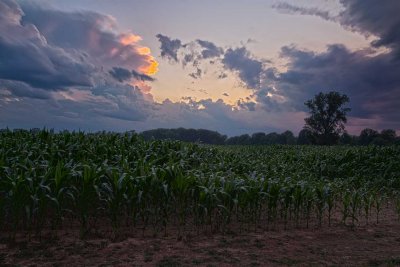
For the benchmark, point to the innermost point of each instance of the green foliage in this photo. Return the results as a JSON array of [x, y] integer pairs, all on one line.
[[47, 177], [187, 135], [327, 117]]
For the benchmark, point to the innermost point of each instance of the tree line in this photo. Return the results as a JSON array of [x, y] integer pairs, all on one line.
[[305, 137], [324, 126]]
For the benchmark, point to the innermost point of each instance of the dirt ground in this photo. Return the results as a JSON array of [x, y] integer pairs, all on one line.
[[338, 245]]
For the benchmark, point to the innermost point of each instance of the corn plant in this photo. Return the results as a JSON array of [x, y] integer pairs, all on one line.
[[48, 178], [85, 195]]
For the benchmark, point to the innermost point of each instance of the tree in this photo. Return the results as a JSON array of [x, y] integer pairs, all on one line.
[[367, 136], [272, 138], [346, 139], [305, 137], [287, 138], [243, 139], [258, 138], [327, 117], [389, 135]]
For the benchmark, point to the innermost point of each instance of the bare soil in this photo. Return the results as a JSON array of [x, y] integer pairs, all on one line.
[[338, 245]]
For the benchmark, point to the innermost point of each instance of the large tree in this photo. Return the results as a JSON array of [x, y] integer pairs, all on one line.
[[327, 117], [305, 137]]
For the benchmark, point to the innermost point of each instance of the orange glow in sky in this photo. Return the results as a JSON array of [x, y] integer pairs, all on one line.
[[128, 39], [152, 68], [143, 50]]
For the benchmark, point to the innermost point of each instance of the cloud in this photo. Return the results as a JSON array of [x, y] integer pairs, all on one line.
[[63, 66], [142, 77], [10, 12], [92, 33], [197, 53], [36, 57], [215, 115], [122, 75], [189, 58], [88, 114], [248, 68], [13, 90], [371, 81], [53, 50], [192, 54], [210, 50], [132, 107], [197, 74], [222, 75], [81, 110], [369, 17], [169, 47], [379, 18], [292, 9], [26, 56], [245, 105], [270, 102], [76, 70]]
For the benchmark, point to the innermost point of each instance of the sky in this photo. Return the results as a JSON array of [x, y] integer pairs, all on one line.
[[234, 66]]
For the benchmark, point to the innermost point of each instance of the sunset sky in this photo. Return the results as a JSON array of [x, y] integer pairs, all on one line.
[[233, 66]]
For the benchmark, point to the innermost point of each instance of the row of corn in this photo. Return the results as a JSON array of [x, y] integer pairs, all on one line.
[[53, 180]]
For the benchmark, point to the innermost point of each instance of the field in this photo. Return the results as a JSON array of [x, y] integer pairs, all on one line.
[[102, 190]]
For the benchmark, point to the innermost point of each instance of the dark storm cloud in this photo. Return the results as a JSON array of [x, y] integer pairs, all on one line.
[[210, 50], [89, 114], [249, 69], [53, 50], [267, 103], [169, 47], [122, 75], [117, 101], [42, 66], [126, 111], [26, 56], [72, 30], [59, 69], [10, 12], [92, 33], [15, 89], [371, 82], [142, 77], [54, 69], [380, 18], [244, 105]]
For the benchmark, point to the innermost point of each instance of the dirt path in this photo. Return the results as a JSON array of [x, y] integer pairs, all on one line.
[[372, 245], [365, 245]]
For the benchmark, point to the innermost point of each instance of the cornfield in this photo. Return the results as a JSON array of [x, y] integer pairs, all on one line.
[[54, 180]]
